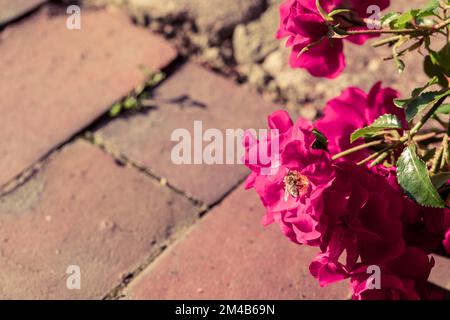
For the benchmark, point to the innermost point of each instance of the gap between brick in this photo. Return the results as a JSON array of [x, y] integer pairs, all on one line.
[[30, 171], [118, 291]]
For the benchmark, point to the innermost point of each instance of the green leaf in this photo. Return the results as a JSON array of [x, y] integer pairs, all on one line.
[[338, 11], [322, 12], [130, 103], [155, 79], [433, 70], [389, 18], [444, 54], [444, 108], [414, 105], [337, 33], [425, 22], [115, 109], [432, 81], [440, 179], [400, 64], [412, 175], [321, 141], [441, 58], [387, 121], [405, 19], [139, 90], [437, 63], [429, 9], [309, 46]]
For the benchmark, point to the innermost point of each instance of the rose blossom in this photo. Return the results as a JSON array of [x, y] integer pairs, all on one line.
[[292, 193], [352, 110], [371, 227], [341, 207], [402, 278], [302, 23], [309, 196], [446, 242]]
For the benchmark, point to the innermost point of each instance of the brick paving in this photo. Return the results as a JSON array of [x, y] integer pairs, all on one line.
[[55, 81], [191, 94], [83, 209], [13, 9], [81, 206], [229, 255]]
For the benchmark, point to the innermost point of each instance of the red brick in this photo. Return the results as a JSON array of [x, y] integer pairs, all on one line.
[[55, 81], [229, 255], [82, 209], [220, 104], [13, 9]]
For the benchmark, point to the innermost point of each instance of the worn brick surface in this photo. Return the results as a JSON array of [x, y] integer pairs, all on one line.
[[440, 274], [229, 255], [54, 81], [13, 9], [82, 209], [191, 94]]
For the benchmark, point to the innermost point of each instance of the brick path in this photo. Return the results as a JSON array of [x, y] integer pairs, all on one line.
[[140, 227], [63, 80]]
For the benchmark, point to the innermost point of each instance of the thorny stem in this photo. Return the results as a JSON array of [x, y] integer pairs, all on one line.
[[448, 126], [440, 159], [385, 150], [427, 116], [357, 148], [383, 31], [426, 136], [443, 24], [445, 143], [436, 27], [385, 41], [414, 45], [400, 142], [437, 159], [444, 159], [380, 159]]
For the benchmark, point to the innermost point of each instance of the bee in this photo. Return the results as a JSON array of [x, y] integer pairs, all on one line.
[[295, 184]]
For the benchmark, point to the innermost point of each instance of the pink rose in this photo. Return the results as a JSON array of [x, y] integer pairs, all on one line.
[[357, 216], [392, 287], [352, 110], [298, 177], [423, 227], [302, 23], [446, 242], [327, 270], [402, 278], [371, 227]]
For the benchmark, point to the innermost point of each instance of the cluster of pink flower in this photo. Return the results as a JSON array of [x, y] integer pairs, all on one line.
[[358, 216], [306, 28]]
